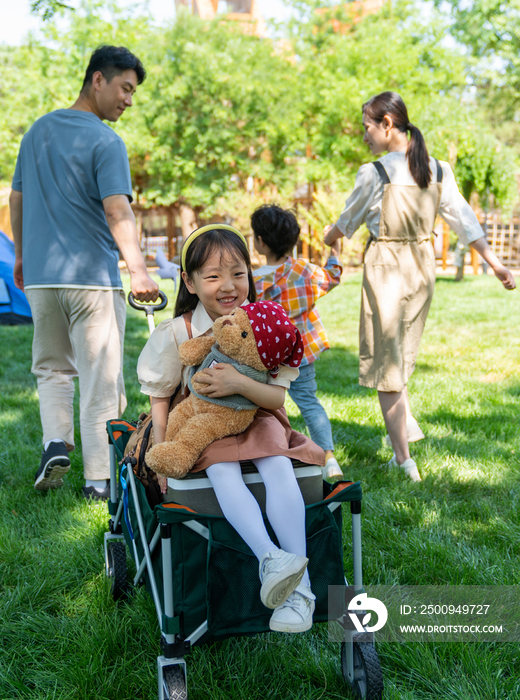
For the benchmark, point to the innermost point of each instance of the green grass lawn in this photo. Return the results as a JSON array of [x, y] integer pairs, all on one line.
[[61, 635]]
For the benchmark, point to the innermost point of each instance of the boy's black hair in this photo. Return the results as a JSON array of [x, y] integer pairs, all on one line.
[[199, 251], [277, 227], [113, 60]]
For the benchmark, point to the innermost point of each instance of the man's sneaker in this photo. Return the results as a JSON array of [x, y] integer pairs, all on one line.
[[409, 467], [413, 432], [332, 471], [55, 463], [295, 615], [280, 573], [91, 493]]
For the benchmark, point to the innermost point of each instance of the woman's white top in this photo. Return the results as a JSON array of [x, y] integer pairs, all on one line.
[[364, 204], [159, 368]]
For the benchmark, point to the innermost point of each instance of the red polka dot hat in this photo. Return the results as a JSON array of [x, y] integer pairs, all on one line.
[[278, 340]]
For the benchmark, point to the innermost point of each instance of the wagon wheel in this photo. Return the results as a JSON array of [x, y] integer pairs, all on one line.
[[116, 560], [368, 677], [174, 683]]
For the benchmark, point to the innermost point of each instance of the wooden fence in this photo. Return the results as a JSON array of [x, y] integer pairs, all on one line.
[[503, 237], [157, 228]]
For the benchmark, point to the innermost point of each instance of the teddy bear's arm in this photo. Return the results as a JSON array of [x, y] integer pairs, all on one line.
[[193, 351]]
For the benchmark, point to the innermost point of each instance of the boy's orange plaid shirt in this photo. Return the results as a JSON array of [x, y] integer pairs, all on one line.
[[297, 285]]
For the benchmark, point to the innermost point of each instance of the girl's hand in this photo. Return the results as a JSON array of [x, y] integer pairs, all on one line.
[[163, 484], [220, 380]]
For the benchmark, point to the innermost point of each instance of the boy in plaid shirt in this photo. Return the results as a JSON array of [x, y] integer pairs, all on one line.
[[297, 285]]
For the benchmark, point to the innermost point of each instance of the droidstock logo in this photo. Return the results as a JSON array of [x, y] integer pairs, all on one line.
[[363, 602]]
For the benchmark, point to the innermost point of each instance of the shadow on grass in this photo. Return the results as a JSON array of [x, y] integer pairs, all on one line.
[[440, 281], [337, 372], [469, 433], [466, 439]]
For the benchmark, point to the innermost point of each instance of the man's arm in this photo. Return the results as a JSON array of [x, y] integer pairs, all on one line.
[[15, 208], [121, 222]]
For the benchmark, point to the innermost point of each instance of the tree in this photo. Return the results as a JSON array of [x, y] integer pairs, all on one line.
[[48, 8], [47, 74], [490, 32], [220, 108], [406, 54]]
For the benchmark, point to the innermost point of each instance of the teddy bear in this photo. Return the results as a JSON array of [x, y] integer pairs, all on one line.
[[255, 338]]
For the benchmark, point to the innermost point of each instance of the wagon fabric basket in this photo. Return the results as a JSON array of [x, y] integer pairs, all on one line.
[[216, 579]]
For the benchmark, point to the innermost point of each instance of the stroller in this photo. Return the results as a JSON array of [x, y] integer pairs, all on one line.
[[203, 578]]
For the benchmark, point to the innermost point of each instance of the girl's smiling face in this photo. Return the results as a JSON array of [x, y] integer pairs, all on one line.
[[221, 284]]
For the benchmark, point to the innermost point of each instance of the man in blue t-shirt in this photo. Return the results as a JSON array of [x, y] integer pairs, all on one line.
[[71, 215]]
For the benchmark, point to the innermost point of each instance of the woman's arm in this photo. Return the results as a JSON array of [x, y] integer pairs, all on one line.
[[503, 274], [332, 234], [224, 380], [356, 206], [461, 218]]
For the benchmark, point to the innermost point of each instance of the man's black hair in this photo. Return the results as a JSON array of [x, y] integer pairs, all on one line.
[[277, 227], [113, 60]]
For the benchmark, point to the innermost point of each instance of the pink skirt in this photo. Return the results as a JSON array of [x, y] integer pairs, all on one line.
[[270, 434]]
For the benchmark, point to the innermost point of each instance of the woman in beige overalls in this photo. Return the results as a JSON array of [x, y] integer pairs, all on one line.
[[398, 197]]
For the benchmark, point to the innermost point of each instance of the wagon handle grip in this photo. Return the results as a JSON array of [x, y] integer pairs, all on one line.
[[149, 309]]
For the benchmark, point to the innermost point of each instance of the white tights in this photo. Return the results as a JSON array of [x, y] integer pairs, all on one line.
[[285, 508]]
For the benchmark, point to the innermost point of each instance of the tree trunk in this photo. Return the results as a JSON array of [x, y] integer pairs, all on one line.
[[188, 220]]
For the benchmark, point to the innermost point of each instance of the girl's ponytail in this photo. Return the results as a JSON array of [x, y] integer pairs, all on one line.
[[391, 104]]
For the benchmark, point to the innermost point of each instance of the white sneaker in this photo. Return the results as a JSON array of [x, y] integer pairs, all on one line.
[[332, 471], [413, 432], [280, 573], [409, 467], [295, 615]]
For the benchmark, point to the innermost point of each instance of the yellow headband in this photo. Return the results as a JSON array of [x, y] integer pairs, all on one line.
[[203, 229]]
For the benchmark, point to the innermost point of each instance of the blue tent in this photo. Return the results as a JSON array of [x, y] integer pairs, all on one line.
[[14, 307]]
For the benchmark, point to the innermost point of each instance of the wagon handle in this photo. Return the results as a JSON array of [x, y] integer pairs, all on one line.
[[149, 309]]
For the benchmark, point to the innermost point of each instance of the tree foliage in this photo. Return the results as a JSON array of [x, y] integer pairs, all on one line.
[[490, 32], [220, 107], [48, 8], [408, 56]]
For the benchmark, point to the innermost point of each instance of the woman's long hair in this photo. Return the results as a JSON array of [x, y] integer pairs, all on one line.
[[222, 241], [391, 104]]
